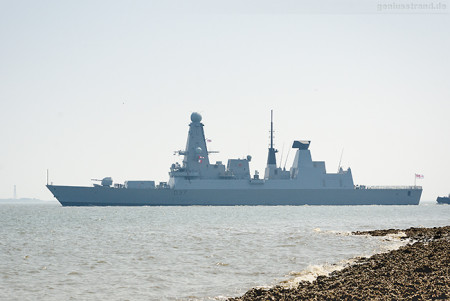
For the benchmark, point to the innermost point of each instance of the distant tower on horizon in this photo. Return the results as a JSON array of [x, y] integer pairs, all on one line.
[[15, 192]]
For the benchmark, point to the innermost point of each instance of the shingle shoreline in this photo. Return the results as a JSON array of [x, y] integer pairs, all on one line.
[[417, 271]]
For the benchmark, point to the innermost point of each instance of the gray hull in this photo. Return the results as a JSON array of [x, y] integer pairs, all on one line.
[[443, 200], [197, 181], [106, 196]]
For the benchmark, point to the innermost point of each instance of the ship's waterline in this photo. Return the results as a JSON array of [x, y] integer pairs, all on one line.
[[197, 181]]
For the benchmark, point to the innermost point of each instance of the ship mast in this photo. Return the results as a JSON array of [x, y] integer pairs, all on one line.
[[271, 168], [271, 159]]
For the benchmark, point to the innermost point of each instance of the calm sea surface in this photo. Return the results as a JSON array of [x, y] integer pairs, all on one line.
[[49, 252]]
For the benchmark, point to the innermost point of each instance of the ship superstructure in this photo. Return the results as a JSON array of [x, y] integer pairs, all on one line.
[[197, 181]]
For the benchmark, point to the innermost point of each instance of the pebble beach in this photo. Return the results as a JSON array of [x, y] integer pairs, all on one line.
[[416, 271]]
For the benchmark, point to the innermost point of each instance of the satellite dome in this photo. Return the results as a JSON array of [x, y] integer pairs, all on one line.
[[196, 117], [198, 150]]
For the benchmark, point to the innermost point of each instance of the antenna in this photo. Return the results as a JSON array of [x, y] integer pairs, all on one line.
[[47, 176], [271, 159], [271, 128], [340, 160], [285, 162], [282, 151]]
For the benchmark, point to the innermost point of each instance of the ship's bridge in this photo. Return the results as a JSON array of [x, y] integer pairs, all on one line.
[[196, 163]]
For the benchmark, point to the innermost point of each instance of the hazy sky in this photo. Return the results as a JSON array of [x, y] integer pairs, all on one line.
[[90, 89]]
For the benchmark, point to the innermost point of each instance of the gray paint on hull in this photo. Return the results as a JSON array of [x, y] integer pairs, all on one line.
[[197, 182], [105, 196]]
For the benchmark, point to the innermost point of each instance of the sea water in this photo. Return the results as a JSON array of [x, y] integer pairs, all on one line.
[[49, 252]]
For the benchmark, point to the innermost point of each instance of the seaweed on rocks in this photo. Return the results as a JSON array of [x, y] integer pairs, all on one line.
[[417, 271]]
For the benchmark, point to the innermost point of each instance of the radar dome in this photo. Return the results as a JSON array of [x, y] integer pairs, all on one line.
[[198, 150], [196, 117]]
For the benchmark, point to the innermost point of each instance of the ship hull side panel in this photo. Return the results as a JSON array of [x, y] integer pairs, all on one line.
[[105, 196]]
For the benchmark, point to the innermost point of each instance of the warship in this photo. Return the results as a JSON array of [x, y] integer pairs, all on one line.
[[197, 181]]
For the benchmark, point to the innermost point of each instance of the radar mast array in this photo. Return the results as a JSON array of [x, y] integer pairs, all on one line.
[[271, 159]]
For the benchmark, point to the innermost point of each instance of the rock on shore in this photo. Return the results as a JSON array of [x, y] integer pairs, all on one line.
[[417, 271]]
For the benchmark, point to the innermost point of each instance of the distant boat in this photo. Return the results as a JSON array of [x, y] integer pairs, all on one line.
[[443, 199], [197, 181]]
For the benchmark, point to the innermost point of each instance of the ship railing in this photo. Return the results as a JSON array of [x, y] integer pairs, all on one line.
[[391, 187]]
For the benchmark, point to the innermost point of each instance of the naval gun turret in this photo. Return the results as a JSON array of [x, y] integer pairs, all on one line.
[[196, 181], [105, 182]]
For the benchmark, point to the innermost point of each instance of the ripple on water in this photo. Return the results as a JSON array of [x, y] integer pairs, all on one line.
[[154, 253]]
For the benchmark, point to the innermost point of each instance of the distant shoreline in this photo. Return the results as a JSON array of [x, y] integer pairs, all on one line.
[[26, 200], [417, 271]]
